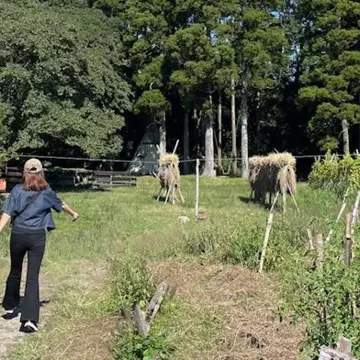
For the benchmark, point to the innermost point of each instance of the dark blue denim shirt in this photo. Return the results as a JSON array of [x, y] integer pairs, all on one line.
[[31, 210]]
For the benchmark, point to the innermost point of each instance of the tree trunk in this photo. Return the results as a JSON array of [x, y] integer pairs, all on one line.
[[258, 140], [345, 131], [198, 132], [244, 137], [162, 133], [186, 142], [219, 149], [209, 145], [233, 126]]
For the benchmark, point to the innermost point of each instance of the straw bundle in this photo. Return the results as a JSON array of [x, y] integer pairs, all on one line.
[[167, 159], [271, 174], [169, 175]]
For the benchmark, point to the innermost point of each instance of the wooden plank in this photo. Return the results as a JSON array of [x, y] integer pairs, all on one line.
[[14, 174], [331, 354], [342, 351], [13, 180], [108, 173], [157, 299], [142, 325], [112, 185]]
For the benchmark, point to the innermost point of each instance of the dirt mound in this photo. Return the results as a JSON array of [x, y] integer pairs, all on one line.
[[246, 301]]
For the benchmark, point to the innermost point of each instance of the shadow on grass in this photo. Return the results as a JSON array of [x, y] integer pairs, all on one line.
[[246, 200]]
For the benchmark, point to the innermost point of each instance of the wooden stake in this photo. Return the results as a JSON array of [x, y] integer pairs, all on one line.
[[319, 245], [266, 240], [275, 200], [342, 209], [197, 189], [355, 211], [175, 147], [267, 233], [348, 241], [293, 197], [284, 200], [310, 237]]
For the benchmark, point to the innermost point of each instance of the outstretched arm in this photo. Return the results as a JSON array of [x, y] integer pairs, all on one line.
[[4, 220], [69, 211]]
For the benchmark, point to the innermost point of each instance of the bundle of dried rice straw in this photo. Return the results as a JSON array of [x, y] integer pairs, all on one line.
[[272, 173]]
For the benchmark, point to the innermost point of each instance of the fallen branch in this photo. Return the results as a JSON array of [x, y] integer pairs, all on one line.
[[143, 319], [310, 237], [342, 351]]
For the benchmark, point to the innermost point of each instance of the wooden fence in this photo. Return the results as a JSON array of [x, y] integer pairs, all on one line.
[[67, 179]]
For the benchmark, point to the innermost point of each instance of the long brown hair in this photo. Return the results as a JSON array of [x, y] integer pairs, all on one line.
[[34, 182]]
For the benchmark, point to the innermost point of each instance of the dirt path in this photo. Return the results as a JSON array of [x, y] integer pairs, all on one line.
[[9, 335], [9, 329], [58, 292]]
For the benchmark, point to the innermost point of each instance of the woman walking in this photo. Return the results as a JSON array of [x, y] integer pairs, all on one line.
[[29, 207]]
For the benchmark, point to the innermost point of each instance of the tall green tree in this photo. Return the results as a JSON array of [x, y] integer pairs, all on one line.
[[145, 27], [61, 79], [262, 56], [202, 63], [331, 68]]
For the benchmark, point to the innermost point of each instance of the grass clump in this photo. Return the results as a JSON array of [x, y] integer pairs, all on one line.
[[131, 282], [132, 285]]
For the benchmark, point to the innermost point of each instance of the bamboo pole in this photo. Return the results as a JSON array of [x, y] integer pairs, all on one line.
[[319, 245], [355, 211], [310, 237], [342, 209], [348, 241], [197, 189], [267, 233], [175, 147], [294, 200]]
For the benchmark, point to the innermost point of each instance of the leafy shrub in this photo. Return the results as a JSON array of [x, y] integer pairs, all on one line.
[[131, 346], [335, 174], [131, 282]]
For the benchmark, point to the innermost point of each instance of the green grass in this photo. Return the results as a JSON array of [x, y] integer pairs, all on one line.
[[130, 218]]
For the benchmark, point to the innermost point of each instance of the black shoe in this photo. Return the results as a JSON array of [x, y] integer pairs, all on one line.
[[28, 327], [11, 314]]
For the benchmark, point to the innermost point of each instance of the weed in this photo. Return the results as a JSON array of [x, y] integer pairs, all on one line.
[[131, 282], [131, 346]]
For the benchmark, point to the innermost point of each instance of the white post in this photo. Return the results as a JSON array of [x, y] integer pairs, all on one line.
[[197, 189]]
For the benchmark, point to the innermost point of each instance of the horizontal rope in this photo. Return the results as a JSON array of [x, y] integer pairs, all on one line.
[[151, 162]]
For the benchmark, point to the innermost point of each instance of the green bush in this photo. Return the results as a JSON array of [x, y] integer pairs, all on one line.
[[131, 346], [336, 174], [131, 282]]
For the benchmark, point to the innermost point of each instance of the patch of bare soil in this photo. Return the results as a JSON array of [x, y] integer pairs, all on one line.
[[246, 300]]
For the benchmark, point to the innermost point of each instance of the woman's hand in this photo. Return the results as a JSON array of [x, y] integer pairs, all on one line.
[[4, 220]]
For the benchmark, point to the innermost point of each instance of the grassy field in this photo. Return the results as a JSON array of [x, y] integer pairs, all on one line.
[[220, 299]]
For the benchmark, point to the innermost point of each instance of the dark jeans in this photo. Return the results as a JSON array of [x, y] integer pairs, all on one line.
[[32, 243]]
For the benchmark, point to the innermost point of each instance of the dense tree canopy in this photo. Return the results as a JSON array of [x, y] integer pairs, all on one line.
[[236, 78], [61, 79]]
